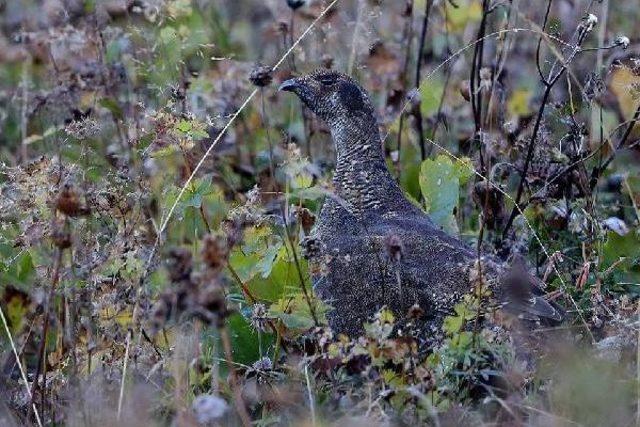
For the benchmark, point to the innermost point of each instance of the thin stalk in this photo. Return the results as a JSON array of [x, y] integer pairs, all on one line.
[[408, 38], [45, 328], [554, 76], [20, 367], [417, 112], [235, 386], [474, 84], [527, 160]]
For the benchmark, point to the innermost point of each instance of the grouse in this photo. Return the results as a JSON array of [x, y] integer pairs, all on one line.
[[378, 248]]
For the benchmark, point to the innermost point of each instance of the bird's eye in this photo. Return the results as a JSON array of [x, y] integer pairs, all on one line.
[[327, 80]]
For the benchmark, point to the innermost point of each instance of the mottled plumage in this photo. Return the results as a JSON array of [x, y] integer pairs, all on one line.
[[379, 248]]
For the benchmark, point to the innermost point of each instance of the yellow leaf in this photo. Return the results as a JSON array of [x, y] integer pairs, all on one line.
[[467, 12], [518, 104], [625, 85]]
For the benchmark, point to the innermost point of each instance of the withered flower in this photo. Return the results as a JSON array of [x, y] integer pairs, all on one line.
[[295, 4], [60, 234], [261, 75], [69, 201], [394, 247], [179, 264], [215, 251]]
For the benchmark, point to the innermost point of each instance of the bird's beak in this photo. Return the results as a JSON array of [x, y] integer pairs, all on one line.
[[291, 85]]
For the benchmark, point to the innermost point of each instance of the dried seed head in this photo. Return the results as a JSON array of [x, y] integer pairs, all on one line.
[[212, 303], [589, 22], [264, 364], [69, 201], [485, 73], [160, 313], [295, 4], [261, 75], [215, 251], [306, 218], [415, 312], [234, 230], [259, 317], [327, 61], [60, 235], [179, 264], [465, 90], [622, 41], [283, 27], [408, 9], [394, 246]]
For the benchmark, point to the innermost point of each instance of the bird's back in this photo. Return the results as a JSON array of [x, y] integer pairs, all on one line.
[[387, 258]]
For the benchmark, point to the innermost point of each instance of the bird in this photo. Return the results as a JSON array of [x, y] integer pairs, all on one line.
[[372, 247]]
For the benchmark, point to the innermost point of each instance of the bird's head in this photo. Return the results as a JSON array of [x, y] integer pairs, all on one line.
[[331, 95]]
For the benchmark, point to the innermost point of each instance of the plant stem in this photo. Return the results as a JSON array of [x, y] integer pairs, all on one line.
[[235, 386]]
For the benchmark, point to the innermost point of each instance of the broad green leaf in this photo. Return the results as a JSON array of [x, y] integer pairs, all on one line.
[[244, 340], [440, 181], [452, 324], [409, 178], [295, 312], [617, 247], [430, 96]]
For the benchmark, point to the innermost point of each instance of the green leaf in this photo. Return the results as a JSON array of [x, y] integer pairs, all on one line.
[[145, 140], [25, 267], [112, 105], [168, 34], [440, 180], [430, 96], [16, 313], [244, 340], [617, 247], [165, 151], [452, 324], [199, 188], [294, 312], [184, 126]]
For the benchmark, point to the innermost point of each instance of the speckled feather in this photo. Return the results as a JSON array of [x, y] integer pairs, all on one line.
[[360, 276]]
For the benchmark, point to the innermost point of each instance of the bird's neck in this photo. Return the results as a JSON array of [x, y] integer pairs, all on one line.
[[362, 178]]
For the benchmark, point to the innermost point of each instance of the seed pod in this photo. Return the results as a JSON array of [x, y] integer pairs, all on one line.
[[179, 264], [327, 61], [306, 218], [68, 201], [261, 76], [60, 236], [215, 251], [415, 312], [394, 247], [465, 90], [295, 4]]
